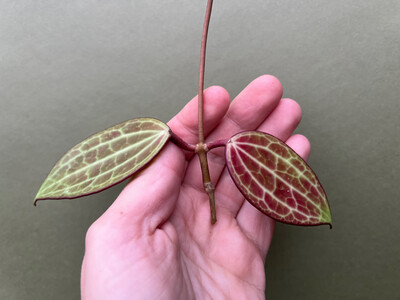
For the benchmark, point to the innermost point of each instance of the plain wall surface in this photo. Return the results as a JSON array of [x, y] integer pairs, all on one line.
[[71, 68]]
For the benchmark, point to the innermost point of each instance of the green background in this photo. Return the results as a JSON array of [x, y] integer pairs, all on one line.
[[71, 68]]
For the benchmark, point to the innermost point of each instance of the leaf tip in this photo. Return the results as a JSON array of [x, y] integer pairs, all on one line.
[[327, 221], [39, 195], [37, 198]]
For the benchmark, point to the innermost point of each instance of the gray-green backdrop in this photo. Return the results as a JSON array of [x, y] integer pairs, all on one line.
[[71, 68]]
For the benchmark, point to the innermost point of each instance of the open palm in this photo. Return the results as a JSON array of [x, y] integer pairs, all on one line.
[[156, 240]]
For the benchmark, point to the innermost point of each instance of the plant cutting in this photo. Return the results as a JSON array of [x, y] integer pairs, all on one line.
[[268, 173]]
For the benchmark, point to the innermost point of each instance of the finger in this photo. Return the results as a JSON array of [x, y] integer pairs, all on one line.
[[281, 123], [247, 111], [283, 120], [185, 123], [259, 227], [149, 199], [300, 144]]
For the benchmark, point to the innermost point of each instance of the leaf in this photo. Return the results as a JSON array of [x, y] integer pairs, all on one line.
[[105, 159], [276, 180]]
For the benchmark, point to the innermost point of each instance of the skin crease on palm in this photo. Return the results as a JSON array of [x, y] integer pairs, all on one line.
[[156, 240]]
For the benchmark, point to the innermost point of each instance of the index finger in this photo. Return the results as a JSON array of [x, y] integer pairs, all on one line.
[[249, 109]]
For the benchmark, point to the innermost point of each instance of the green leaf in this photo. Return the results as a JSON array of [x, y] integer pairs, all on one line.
[[276, 180], [105, 159]]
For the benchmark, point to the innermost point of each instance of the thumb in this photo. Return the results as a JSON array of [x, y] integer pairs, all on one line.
[[150, 198]]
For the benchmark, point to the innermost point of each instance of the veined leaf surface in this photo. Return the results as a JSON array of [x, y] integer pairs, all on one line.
[[105, 159], [276, 180]]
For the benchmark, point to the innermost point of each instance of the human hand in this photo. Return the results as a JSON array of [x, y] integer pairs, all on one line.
[[156, 240]]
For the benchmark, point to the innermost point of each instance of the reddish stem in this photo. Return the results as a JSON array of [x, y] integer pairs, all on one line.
[[201, 148], [181, 143], [216, 144], [202, 69]]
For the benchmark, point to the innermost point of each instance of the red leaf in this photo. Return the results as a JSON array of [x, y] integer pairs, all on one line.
[[276, 180]]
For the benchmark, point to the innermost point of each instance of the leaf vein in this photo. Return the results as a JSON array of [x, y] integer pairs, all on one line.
[[266, 190], [278, 156], [283, 179], [97, 162]]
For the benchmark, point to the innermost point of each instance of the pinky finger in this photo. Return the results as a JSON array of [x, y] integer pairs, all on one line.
[[257, 226]]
